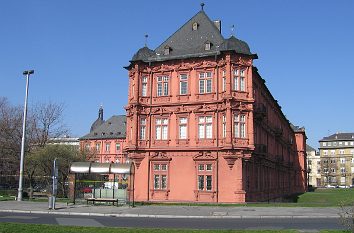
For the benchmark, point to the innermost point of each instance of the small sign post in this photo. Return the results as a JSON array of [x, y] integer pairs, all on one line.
[[54, 185]]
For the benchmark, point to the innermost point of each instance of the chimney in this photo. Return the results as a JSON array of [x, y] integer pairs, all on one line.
[[217, 23]]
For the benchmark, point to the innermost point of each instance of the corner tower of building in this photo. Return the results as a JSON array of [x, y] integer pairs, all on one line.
[[197, 130]]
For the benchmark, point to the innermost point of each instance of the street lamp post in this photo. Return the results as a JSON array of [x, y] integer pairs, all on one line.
[[20, 182]]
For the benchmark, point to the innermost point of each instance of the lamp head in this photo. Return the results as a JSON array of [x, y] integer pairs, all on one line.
[[26, 72]]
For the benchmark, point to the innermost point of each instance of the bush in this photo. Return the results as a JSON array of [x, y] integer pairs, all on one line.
[[347, 216], [8, 192]]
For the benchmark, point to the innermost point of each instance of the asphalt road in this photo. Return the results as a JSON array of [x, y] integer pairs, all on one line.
[[189, 223]]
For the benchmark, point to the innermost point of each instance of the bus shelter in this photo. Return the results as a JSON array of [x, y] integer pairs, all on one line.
[[102, 182]]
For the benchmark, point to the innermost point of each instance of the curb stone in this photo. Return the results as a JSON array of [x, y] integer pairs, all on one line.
[[165, 216]]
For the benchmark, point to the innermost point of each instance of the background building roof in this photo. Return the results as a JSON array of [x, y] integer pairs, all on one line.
[[338, 137], [309, 148], [113, 128]]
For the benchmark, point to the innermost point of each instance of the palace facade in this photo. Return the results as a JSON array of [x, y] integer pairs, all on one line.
[[202, 125], [106, 139]]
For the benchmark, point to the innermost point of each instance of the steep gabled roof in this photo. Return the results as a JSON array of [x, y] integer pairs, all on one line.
[[189, 42], [113, 128], [186, 41]]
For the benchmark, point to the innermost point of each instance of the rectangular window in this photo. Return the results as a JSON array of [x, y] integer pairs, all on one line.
[[333, 152], [205, 177], [325, 152], [163, 167], [183, 84], [341, 152], [239, 80], [161, 128], [163, 181], [223, 126], [200, 182], [162, 86], [205, 82], [242, 84], [208, 183], [208, 167], [98, 145], [144, 86], [183, 128], [156, 182], [324, 144], [117, 147], [223, 80], [156, 167], [205, 127], [160, 175], [342, 169], [87, 146], [142, 130], [108, 147], [236, 80], [342, 160], [240, 126]]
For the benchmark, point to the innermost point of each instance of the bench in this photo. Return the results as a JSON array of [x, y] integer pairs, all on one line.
[[93, 200]]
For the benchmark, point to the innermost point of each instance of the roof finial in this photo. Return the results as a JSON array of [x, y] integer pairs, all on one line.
[[232, 29], [100, 112], [146, 38], [202, 5]]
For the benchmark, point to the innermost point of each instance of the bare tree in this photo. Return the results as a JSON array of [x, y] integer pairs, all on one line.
[[47, 122], [10, 138]]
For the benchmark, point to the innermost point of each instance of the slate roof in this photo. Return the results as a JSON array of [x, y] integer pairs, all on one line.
[[114, 127], [339, 137], [309, 148], [188, 43]]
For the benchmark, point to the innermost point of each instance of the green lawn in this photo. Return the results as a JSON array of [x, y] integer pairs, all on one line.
[[318, 198], [27, 228], [327, 197]]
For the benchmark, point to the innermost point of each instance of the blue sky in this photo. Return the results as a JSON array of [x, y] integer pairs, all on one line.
[[78, 50]]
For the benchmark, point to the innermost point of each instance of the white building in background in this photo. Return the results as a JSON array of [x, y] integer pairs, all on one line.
[[65, 140], [314, 166]]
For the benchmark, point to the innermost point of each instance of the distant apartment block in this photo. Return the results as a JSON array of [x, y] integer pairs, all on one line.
[[337, 159]]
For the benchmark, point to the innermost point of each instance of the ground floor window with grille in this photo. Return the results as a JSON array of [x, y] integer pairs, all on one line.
[[160, 175]]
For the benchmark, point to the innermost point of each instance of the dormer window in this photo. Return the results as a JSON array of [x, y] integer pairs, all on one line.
[[195, 26], [207, 45], [167, 50]]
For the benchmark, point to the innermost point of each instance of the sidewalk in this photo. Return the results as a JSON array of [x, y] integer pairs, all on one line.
[[170, 211]]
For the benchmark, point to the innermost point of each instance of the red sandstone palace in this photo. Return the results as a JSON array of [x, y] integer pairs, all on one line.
[[203, 127]]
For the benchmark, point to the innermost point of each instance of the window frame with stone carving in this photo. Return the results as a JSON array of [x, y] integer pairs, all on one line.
[[163, 124], [162, 85], [240, 125], [203, 82], [144, 86]]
